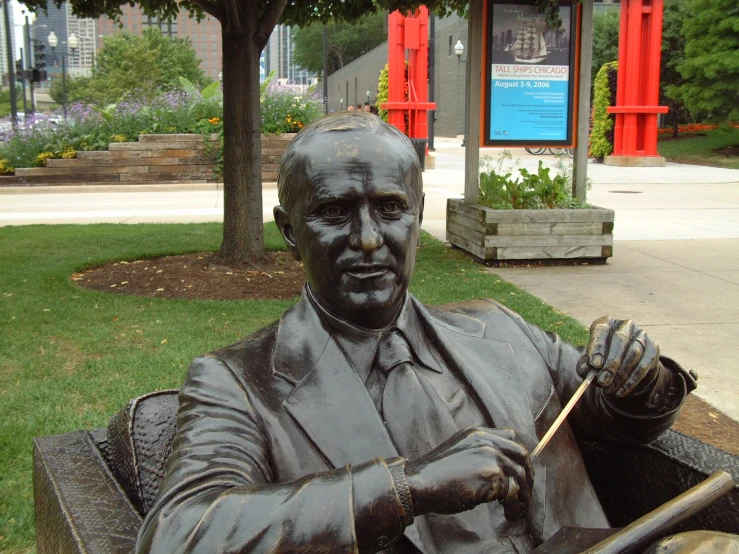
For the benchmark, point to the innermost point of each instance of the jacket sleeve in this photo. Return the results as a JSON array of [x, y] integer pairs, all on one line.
[[598, 417], [219, 493]]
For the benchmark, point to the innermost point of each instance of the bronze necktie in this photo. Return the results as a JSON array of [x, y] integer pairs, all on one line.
[[419, 421], [417, 418]]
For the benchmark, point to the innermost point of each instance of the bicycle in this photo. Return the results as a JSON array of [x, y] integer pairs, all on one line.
[[554, 151], [560, 151]]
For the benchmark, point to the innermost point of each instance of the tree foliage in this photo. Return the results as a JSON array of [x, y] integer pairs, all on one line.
[[710, 70], [673, 55], [127, 63], [346, 42], [606, 25]]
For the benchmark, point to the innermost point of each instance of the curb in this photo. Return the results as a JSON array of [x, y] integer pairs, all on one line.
[[151, 187]]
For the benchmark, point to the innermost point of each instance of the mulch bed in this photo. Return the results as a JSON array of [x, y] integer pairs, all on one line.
[[729, 151], [682, 136], [193, 276]]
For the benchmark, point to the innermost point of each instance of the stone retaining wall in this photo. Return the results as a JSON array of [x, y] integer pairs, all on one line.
[[153, 159]]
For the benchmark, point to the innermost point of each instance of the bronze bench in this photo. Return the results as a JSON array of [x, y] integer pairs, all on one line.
[[92, 488]]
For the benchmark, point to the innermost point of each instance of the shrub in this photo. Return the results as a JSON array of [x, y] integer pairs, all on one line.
[[5, 168], [604, 93], [40, 160], [498, 190], [286, 109], [382, 92]]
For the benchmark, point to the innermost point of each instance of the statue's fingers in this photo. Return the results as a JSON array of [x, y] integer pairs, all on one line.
[[613, 374], [600, 331], [631, 364]]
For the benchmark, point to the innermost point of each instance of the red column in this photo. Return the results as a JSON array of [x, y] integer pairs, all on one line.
[[637, 94], [408, 41], [396, 70]]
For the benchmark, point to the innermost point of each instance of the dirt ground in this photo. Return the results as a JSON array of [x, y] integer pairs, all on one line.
[[193, 276]]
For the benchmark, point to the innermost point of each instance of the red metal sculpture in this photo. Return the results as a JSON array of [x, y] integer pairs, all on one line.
[[408, 46], [637, 93]]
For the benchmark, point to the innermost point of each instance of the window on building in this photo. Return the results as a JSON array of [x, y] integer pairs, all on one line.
[[451, 46]]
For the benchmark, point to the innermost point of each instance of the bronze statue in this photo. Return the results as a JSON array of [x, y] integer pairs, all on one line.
[[364, 421]]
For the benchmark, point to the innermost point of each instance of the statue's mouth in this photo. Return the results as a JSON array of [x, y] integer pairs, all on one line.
[[367, 272]]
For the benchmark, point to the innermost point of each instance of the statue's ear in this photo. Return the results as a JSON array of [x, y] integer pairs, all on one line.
[[420, 215], [282, 220]]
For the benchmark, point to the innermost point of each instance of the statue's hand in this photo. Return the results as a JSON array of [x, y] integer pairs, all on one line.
[[475, 466], [627, 359]]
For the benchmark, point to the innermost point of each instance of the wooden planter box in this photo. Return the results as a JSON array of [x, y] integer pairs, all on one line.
[[529, 234]]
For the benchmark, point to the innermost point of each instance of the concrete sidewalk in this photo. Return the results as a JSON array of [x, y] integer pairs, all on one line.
[[675, 269]]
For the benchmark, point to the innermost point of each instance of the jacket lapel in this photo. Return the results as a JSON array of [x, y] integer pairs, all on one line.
[[489, 368], [329, 402], [334, 409]]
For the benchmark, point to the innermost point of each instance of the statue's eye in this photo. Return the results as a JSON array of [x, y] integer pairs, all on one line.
[[332, 213], [391, 208]]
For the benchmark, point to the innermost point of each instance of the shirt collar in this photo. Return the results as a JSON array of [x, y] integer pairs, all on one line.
[[360, 344]]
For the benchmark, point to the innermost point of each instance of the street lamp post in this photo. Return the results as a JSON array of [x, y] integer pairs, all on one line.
[[459, 50], [29, 61], [72, 45], [11, 67]]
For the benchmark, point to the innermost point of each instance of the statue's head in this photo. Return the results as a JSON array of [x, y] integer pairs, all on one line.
[[351, 205]]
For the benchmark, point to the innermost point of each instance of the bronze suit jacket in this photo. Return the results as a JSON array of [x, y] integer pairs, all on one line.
[[277, 432]]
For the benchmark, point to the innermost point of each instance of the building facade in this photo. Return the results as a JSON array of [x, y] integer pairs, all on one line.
[[205, 36], [278, 57], [63, 23], [4, 44]]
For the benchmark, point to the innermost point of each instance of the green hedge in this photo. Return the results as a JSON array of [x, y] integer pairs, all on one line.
[[604, 95]]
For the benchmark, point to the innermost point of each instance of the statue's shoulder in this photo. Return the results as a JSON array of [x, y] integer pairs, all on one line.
[[470, 316], [481, 308], [254, 348]]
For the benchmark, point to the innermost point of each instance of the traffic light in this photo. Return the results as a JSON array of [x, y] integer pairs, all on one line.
[[39, 54]]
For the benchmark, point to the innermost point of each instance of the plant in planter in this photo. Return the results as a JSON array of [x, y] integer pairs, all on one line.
[[530, 217]]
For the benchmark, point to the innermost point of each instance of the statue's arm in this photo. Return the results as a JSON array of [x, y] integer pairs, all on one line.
[[601, 416], [219, 494]]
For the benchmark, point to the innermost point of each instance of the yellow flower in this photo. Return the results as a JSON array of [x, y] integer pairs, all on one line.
[[214, 120]]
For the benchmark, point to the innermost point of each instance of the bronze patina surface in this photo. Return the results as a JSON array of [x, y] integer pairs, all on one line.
[[364, 421]]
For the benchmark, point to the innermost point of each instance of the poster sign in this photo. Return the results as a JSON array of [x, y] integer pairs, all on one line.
[[530, 76]]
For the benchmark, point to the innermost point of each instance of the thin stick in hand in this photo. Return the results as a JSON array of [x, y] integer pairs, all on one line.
[[563, 414]]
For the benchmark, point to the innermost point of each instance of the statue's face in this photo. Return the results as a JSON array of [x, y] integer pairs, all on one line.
[[355, 224]]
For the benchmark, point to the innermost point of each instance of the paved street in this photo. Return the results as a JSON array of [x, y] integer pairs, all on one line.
[[675, 269]]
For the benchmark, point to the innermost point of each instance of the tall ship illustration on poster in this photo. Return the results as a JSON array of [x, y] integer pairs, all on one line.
[[529, 46]]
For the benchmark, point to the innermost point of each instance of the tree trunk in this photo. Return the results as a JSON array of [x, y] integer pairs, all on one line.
[[243, 232], [675, 122]]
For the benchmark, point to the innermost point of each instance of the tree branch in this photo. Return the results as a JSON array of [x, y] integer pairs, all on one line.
[[267, 22], [208, 7], [233, 21]]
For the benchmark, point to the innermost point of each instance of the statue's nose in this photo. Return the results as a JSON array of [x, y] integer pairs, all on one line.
[[365, 233]]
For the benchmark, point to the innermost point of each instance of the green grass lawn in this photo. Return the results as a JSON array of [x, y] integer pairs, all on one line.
[[71, 357], [702, 150]]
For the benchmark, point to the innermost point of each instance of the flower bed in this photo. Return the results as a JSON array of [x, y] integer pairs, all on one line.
[[694, 128], [184, 111]]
